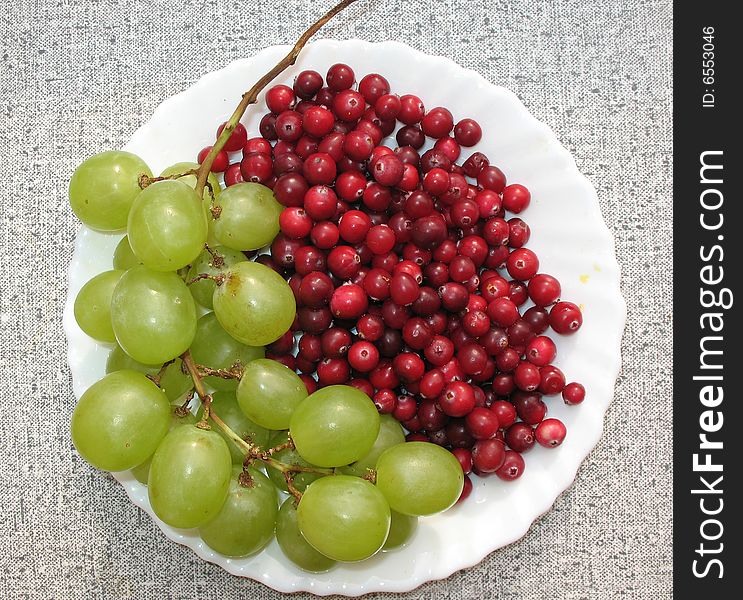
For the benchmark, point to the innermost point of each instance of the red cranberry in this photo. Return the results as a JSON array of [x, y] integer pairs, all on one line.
[[488, 455], [530, 407], [385, 400], [454, 296], [466, 490], [370, 327], [340, 77], [436, 159], [537, 318], [512, 467], [440, 351], [314, 320], [520, 437], [363, 356], [408, 155], [257, 144], [437, 123], [505, 412], [408, 366], [349, 105], [573, 393], [395, 315], [344, 262], [449, 147], [310, 348], [377, 284], [541, 351], [307, 84], [526, 376], [405, 409], [403, 289], [295, 223], [565, 318], [315, 290], [319, 169], [410, 135], [458, 399], [380, 239], [552, 380], [507, 360], [474, 164], [387, 170], [354, 225], [516, 198], [464, 456], [289, 126], [518, 233], [288, 162], [333, 371], [544, 289], [431, 416], [468, 132], [238, 137], [318, 121], [496, 232], [335, 342], [349, 301], [491, 178], [309, 383], [232, 175], [482, 423], [386, 262], [472, 358], [550, 433], [474, 247], [325, 235], [387, 107], [503, 384], [476, 323], [279, 98], [432, 384], [522, 264], [221, 161], [267, 126], [290, 189], [411, 109], [436, 181], [503, 312]]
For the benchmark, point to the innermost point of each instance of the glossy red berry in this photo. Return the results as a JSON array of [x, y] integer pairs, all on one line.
[[488, 455], [520, 437], [349, 302], [237, 139], [516, 198], [221, 161], [573, 393], [512, 467], [458, 399], [550, 433], [468, 132], [565, 318]]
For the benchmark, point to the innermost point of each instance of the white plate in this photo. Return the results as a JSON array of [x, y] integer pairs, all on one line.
[[568, 234]]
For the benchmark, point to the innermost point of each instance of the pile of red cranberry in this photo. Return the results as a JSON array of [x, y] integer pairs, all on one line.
[[399, 262]]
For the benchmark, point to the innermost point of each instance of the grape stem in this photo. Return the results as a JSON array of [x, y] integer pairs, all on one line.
[[217, 258], [218, 279], [233, 373], [251, 96], [146, 181], [158, 377], [251, 451]]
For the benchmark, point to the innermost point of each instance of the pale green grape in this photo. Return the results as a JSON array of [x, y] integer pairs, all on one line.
[[254, 304], [249, 217], [345, 518], [402, 528], [289, 456], [246, 522], [189, 476], [174, 382], [293, 544], [419, 478], [167, 227], [190, 180], [225, 405], [203, 291], [153, 315], [141, 472], [93, 306], [269, 393], [390, 434], [124, 257], [119, 421], [335, 426], [103, 188], [215, 348]]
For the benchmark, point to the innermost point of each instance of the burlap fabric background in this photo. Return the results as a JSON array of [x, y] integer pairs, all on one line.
[[80, 76]]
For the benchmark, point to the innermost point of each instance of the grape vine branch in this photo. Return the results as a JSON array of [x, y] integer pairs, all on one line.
[[251, 96]]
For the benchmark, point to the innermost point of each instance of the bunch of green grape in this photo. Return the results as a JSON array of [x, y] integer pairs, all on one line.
[[354, 486]]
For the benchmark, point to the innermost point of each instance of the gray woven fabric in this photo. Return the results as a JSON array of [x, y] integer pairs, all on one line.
[[80, 76]]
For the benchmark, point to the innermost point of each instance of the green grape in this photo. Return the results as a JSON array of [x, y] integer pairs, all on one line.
[[124, 257], [142, 471], [288, 456], [390, 434], [293, 544], [402, 528], [189, 476], [190, 180], [215, 348], [103, 188], [167, 227], [203, 291], [269, 393], [153, 315], [345, 518], [225, 405], [254, 304], [93, 306], [120, 420], [174, 382], [249, 217], [246, 522], [419, 478], [335, 426]]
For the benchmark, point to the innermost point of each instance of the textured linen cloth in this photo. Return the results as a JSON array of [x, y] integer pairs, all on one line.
[[78, 77]]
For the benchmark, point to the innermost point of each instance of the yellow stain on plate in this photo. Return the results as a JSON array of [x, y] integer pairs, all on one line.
[[584, 278], [596, 268], [582, 307]]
